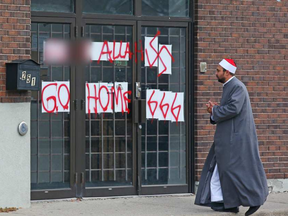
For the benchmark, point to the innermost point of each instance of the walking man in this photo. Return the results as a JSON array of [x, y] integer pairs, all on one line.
[[233, 173]]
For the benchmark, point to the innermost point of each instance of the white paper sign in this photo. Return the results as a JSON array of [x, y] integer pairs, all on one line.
[[105, 100], [116, 49], [55, 97], [177, 109], [164, 106], [107, 97], [120, 92], [152, 103], [92, 105], [151, 51], [165, 59], [96, 51]]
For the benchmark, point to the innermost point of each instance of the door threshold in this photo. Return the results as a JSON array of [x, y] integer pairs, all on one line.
[[112, 197]]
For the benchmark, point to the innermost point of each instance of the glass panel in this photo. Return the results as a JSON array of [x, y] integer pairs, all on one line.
[[108, 6], [50, 133], [57, 128], [43, 146], [108, 136], [164, 142], [52, 5], [173, 8], [57, 146]]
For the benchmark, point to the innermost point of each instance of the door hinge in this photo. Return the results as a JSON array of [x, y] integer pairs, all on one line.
[[82, 31], [139, 183], [75, 102], [82, 178], [82, 104], [76, 31]]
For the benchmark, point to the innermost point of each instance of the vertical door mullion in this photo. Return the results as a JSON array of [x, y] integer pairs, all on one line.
[[50, 123], [157, 134], [190, 163], [168, 153], [180, 148], [138, 130], [38, 106], [114, 119], [72, 118], [90, 125], [190, 101], [126, 78], [63, 119], [101, 115]]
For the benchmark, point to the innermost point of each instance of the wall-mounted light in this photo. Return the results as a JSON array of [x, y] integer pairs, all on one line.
[[203, 67]]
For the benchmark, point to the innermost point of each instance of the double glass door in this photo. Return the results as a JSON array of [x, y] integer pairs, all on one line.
[[77, 154]]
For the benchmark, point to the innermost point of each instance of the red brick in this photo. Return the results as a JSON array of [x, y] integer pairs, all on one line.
[[13, 36], [259, 46]]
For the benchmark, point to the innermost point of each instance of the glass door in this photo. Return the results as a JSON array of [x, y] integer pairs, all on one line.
[[110, 137], [52, 141], [164, 143], [86, 154]]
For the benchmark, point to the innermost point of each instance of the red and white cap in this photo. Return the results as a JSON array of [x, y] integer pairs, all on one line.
[[229, 65]]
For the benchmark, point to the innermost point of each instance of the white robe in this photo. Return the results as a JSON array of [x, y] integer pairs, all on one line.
[[215, 187]]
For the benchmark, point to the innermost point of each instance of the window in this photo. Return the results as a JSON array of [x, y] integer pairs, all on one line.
[[53, 5], [174, 8], [108, 6]]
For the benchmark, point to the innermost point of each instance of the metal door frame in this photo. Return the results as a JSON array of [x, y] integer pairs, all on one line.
[[78, 20], [65, 192], [114, 190], [166, 189]]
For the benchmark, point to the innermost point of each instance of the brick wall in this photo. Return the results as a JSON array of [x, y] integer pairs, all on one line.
[[15, 24], [255, 34]]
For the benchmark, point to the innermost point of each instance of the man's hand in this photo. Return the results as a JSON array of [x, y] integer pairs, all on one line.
[[210, 105], [209, 108]]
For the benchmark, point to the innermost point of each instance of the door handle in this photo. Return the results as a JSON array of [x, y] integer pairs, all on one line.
[[138, 90], [142, 111]]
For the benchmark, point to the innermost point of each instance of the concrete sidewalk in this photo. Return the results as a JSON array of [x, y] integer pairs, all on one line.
[[166, 205]]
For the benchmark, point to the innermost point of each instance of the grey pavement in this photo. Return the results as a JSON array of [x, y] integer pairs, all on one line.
[[165, 205]]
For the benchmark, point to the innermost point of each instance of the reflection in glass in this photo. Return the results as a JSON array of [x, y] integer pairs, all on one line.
[[173, 8], [108, 6], [52, 5]]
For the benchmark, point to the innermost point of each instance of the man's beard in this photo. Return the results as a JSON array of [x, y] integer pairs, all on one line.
[[222, 80]]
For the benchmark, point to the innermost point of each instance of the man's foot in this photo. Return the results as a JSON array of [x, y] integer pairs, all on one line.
[[222, 209], [252, 210]]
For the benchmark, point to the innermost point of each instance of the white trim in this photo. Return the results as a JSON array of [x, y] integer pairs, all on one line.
[[225, 64]]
